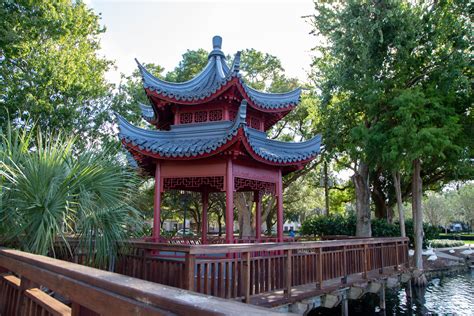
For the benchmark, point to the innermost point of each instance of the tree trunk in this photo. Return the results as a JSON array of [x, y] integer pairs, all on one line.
[[219, 224], [244, 208], [326, 188], [398, 193], [417, 191], [267, 214], [361, 184], [379, 198]]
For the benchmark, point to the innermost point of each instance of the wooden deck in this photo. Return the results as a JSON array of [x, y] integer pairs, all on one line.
[[265, 274], [26, 281]]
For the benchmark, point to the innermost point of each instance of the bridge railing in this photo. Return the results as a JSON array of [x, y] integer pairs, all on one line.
[[243, 270], [26, 281]]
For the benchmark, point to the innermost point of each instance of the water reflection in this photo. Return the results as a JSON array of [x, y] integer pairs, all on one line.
[[448, 295]]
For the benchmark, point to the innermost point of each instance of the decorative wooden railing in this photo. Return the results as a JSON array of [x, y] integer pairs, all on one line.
[[197, 240], [243, 270], [26, 280]]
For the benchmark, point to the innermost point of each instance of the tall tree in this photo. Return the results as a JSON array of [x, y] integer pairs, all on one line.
[[51, 72], [394, 67]]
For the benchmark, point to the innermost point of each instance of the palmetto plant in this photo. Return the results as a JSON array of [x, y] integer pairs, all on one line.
[[50, 192]]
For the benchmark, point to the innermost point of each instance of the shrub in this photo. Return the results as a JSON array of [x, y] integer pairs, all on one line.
[[333, 224], [442, 243], [50, 191], [336, 224]]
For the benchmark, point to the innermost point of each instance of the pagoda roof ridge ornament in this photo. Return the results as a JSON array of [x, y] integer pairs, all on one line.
[[215, 78], [216, 47], [235, 68]]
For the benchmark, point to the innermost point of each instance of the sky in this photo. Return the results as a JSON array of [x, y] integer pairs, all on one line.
[[161, 31]]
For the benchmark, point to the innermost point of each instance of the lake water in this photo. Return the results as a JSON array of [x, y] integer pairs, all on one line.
[[447, 295]]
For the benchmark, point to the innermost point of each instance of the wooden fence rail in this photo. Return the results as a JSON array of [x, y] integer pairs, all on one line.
[[243, 270], [25, 280]]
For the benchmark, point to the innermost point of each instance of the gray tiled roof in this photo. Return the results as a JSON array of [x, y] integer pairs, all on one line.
[[215, 75], [193, 140], [147, 112]]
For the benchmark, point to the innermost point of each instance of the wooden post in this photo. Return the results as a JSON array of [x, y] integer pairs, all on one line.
[[25, 284], [257, 198], [205, 203], [382, 261], [382, 297], [229, 204], [189, 264], [157, 203], [408, 292], [288, 272], [320, 268], [344, 279], [279, 196], [397, 262], [345, 304], [405, 251], [246, 276], [79, 310], [366, 253]]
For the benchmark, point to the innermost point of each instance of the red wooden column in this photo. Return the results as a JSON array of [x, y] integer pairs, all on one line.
[[257, 198], [157, 203], [205, 203], [279, 196], [229, 204]]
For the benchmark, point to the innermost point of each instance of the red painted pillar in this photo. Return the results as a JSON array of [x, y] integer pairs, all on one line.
[[279, 196], [205, 203], [257, 198], [229, 204], [157, 203]]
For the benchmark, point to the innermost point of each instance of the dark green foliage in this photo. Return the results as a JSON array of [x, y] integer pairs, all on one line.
[[336, 224], [53, 192], [51, 72]]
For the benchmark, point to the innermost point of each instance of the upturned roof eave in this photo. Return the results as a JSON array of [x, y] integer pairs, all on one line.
[[182, 146], [235, 81]]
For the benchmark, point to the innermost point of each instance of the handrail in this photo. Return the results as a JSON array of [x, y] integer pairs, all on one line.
[[252, 247], [244, 270], [109, 293], [241, 248]]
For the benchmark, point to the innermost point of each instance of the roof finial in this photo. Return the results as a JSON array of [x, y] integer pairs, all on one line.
[[217, 42]]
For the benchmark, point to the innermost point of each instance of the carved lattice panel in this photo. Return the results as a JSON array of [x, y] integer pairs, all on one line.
[[194, 183], [185, 118], [241, 184], [215, 115], [200, 116]]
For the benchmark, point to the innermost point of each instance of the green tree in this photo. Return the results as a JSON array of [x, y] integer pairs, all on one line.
[[192, 62], [464, 203], [394, 79], [438, 209], [50, 192], [375, 54], [51, 72]]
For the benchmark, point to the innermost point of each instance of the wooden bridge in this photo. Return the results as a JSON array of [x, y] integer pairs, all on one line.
[[26, 280], [223, 275]]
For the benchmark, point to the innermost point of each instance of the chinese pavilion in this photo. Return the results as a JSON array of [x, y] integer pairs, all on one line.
[[210, 137]]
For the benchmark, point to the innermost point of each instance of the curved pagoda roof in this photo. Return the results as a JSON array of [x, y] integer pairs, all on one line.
[[195, 141], [215, 78]]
